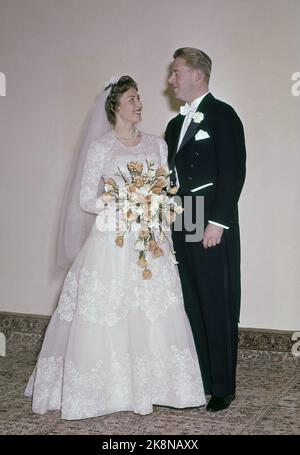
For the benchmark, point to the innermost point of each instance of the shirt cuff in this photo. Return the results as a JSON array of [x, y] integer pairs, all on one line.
[[218, 224]]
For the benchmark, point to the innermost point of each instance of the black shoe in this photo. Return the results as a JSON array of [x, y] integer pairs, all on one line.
[[218, 403]]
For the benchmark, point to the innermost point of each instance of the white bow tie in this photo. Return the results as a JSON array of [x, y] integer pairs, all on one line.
[[187, 108]]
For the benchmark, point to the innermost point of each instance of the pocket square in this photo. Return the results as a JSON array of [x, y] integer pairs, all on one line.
[[201, 135]]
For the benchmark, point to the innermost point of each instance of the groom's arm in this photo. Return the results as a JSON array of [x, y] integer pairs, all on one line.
[[231, 165]]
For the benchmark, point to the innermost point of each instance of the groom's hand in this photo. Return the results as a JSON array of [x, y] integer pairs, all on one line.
[[212, 235]]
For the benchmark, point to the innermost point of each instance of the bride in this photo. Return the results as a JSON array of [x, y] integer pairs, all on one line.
[[117, 342]]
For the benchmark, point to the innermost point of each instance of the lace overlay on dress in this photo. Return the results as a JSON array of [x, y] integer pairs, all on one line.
[[107, 302], [134, 384]]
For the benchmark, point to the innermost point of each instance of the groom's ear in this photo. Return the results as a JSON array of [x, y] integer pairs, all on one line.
[[199, 76]]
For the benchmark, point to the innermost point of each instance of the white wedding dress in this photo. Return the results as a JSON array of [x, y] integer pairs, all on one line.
[[116, 342]]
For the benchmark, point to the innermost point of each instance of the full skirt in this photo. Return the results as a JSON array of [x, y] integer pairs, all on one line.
[[117, 342]]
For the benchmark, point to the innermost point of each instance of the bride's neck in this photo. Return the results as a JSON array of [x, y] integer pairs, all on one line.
[[125, 130]]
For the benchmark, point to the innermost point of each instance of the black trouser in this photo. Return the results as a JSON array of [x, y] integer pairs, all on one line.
[[210, 309]]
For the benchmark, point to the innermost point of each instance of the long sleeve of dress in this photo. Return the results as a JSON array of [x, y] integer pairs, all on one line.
[[92, 173], [163, 151]]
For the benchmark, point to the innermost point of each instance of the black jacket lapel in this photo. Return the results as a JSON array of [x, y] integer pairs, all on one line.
[[174, 138], [190, 132]]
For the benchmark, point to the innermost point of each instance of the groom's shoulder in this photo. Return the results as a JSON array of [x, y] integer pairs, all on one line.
[[173, 121], [222, 108]]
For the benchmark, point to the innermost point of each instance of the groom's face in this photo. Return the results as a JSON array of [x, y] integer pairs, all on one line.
[[182, 80]]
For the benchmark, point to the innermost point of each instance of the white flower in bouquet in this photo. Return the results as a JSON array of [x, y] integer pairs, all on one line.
[[143, 191], [139, 211], [146, 205], [154, 225], [100, 203], [178, 209], [140, 245], [123, 193], [172, 257], [151, 173]]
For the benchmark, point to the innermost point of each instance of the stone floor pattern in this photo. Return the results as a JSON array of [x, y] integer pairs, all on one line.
[[268, 402]]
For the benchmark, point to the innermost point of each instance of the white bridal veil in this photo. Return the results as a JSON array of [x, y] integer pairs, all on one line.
[[75, 223]]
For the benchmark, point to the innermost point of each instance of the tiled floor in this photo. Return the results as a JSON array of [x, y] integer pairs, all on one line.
[[268, 402]]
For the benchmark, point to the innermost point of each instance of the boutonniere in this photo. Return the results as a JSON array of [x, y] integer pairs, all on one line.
[[198, 117]]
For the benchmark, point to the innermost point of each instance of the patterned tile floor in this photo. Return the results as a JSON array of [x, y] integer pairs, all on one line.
[[268, 402]]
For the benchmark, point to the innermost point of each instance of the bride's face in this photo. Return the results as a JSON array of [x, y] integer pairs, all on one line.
[[130, 107]]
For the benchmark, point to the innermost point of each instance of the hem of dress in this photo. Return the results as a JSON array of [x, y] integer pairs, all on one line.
[[125, 409]]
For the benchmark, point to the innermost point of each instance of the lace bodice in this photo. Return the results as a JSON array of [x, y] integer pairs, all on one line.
[[105, 156]]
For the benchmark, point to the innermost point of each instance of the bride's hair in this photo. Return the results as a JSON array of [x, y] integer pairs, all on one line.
[[112, 100]]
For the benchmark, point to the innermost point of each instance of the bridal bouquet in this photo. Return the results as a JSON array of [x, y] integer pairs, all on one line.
[[146, 202]]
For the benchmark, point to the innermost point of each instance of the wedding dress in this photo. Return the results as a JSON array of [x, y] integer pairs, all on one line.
[[116, 342]]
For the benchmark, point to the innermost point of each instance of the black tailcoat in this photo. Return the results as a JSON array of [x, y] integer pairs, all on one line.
[[211, 277]]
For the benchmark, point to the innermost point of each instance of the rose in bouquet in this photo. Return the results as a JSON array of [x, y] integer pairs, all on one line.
[[145, 202]]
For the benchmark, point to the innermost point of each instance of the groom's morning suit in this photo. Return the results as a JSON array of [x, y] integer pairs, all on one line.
[[212, 164]]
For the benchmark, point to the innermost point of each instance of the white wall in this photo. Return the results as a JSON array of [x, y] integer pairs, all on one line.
[[56, 55]]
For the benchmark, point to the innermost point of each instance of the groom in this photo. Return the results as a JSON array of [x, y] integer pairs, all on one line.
[[207, 155]]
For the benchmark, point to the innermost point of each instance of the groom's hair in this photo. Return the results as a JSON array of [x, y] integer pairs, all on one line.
[[196, 59]]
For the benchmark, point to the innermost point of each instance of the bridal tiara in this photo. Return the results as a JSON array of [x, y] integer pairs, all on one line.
[[112, 81]]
